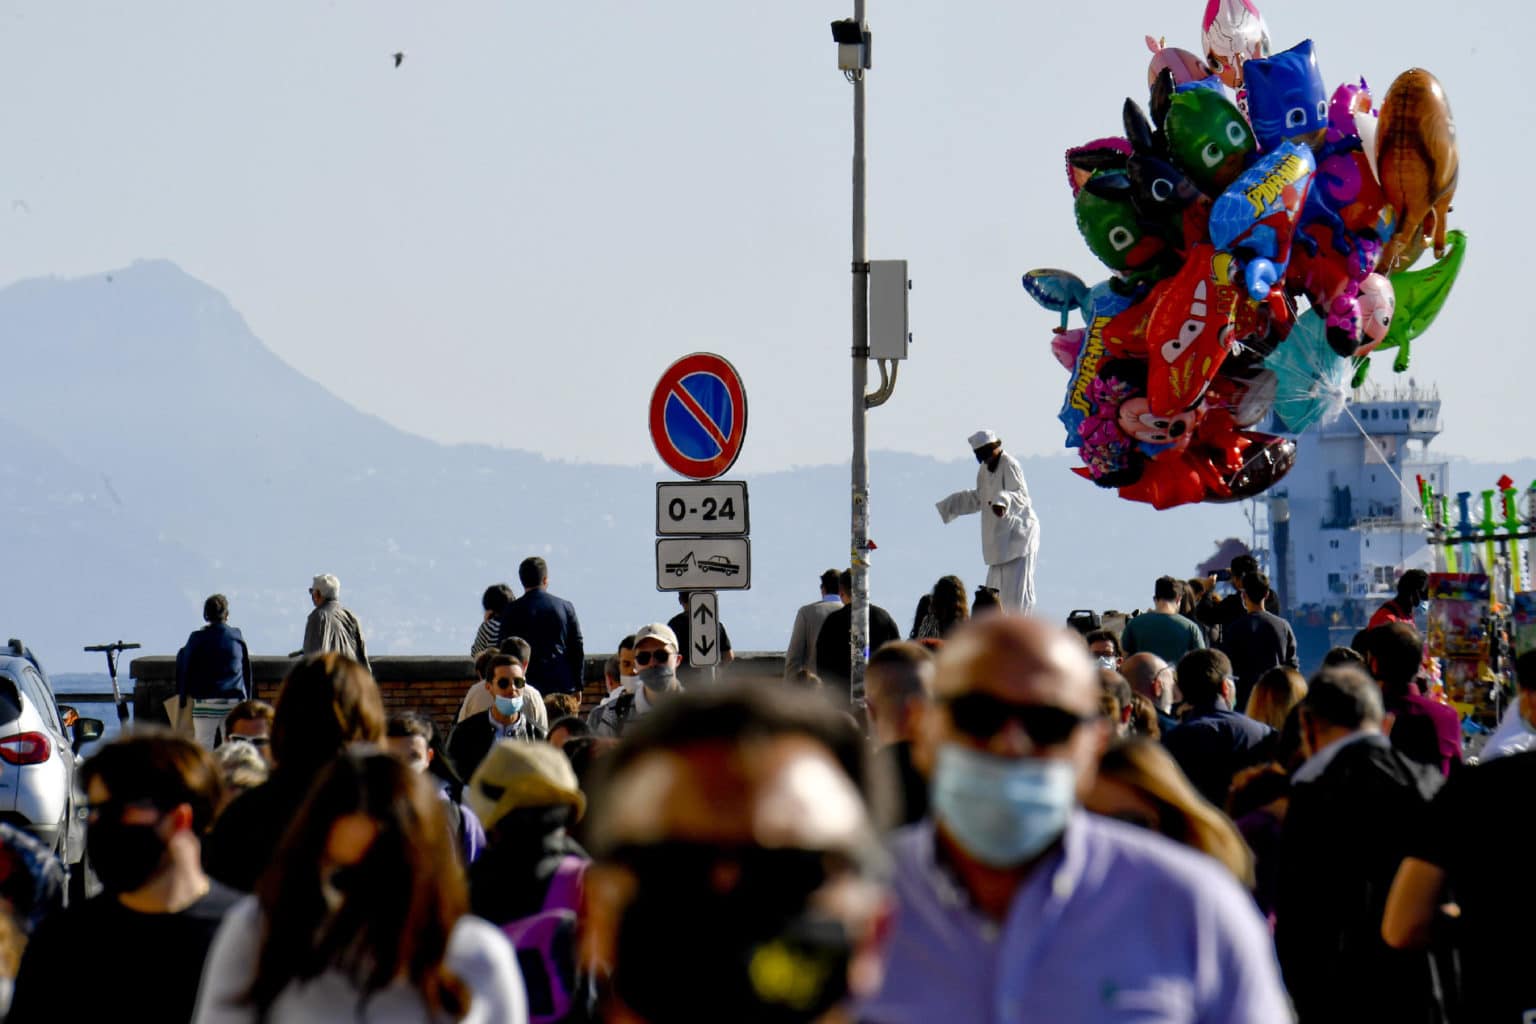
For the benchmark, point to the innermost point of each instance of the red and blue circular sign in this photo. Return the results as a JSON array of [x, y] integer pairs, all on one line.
[[699, 416]]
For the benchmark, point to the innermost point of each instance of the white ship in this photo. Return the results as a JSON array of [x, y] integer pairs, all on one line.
[[1346, 521]]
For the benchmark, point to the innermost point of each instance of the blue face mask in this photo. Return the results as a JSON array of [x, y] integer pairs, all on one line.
[[507, 707], [1002, 810]]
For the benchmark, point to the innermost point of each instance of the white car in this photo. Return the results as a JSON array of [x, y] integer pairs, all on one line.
[[39, 755]]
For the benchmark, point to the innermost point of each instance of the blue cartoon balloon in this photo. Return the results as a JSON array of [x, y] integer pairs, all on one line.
[[1287, 98], [1256, 218]]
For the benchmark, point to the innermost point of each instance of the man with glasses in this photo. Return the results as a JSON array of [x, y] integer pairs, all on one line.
[[251, 721], [152, 796], [656, 659], [737, 874], [1014, 904], [1153, 678], [508, 718]]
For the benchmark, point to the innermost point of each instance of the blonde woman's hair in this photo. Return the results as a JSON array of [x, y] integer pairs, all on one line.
[[1184, 815], [1274, 695]]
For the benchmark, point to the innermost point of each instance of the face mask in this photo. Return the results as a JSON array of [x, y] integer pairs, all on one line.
[[981, 457], [1422, 607], [749, 958], [657, 678], [1107, 661], [124, 857], [1002, 810], [508, 707]]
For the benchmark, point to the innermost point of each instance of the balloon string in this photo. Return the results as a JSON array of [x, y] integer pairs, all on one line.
[[1381, 454], [1320, 381]]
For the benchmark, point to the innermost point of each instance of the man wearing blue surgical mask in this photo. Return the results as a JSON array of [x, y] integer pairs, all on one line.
[[506, 719], [1010, 894]]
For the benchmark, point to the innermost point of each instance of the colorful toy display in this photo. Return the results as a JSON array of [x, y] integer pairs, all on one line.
[[1258, 229]]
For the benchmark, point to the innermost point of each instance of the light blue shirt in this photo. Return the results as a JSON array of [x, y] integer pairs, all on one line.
[[1118, 924]]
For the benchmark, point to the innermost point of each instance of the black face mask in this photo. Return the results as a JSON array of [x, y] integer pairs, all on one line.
[[124, 857], [754, 954], [982, 456]]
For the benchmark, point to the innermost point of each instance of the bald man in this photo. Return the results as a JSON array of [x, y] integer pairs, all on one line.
[[737, 873], [1153, 678], [1014, 903]]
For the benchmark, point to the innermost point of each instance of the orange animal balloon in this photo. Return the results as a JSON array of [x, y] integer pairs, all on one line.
[[1417, 160]]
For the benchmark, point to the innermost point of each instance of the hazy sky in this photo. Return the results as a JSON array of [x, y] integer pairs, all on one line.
[[509, 237]]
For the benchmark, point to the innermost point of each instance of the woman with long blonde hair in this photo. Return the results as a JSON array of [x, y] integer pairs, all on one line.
[[1139, 782], [1274, 695]]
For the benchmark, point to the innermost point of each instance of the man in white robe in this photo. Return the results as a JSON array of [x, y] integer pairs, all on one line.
[[1010, 530]]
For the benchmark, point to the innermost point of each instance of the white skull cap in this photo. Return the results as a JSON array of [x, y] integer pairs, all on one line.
[[982, 438]]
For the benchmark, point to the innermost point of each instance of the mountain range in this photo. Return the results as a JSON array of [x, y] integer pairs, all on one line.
[[153, 451]]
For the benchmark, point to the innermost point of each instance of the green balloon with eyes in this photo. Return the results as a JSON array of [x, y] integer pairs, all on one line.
[[1108, 222], [1208, 137]]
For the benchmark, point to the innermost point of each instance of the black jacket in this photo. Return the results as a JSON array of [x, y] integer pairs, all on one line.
[[1213, 744], [549, 625], [1255, 643], [473, 738], [833, 654], [1343, 838], [246, 835]]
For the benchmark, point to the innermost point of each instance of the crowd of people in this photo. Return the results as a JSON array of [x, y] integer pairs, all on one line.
[[1010, 821]]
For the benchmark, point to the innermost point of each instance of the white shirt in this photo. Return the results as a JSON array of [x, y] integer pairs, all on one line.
[[1513, 736], [1006, 537], [478, 954]]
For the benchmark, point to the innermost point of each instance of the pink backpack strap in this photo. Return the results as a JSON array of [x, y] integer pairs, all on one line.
[[565, 887]]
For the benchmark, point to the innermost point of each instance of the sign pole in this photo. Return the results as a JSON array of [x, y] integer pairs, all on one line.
[[859, 550]]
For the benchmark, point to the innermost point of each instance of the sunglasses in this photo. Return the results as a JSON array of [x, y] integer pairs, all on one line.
[[982, 716], [646, 657], [507, 684]]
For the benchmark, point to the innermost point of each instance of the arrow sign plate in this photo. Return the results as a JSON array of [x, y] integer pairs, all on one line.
[[703, 563], [703, 630]]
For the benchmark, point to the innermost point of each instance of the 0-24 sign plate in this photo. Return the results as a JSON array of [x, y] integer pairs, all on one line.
[[717, 508]]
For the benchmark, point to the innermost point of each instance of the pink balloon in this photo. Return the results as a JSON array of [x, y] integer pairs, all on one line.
[[1185, 66], [1378, 303]]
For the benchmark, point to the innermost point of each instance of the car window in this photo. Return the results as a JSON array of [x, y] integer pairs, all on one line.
[[37, 691]]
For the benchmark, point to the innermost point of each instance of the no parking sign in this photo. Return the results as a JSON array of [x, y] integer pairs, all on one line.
[[699, 416]]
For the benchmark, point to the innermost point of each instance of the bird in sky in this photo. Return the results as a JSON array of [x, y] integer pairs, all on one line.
[[399, 57], [20, 206]]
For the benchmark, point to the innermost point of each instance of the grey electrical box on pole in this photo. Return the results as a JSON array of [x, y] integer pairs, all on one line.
[[888, 287]]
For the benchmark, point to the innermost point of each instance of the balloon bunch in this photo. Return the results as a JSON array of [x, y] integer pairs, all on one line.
[[1249, 190]]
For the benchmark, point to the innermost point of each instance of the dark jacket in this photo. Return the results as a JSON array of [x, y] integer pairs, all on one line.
[[1256, 643], [246, 835], [473, 738], [897, 758], [680, 625], [214, 665], [549, 625], [834, 656], [1214, 614], [1344, 834], [511, 878], [1213, 744]]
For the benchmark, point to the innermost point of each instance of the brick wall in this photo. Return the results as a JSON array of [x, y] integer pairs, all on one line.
[[433, 685]]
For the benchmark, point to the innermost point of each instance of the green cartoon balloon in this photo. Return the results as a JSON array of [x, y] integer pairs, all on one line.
[[1109, 224], [1208, 137], [1419, 294]]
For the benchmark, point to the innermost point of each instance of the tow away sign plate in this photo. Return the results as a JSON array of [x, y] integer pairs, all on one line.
[[703, 563]]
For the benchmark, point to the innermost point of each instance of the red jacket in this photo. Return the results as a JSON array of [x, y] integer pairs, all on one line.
[[1388, 614]]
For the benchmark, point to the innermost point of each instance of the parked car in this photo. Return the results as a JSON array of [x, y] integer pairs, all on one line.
[[40, 743]]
